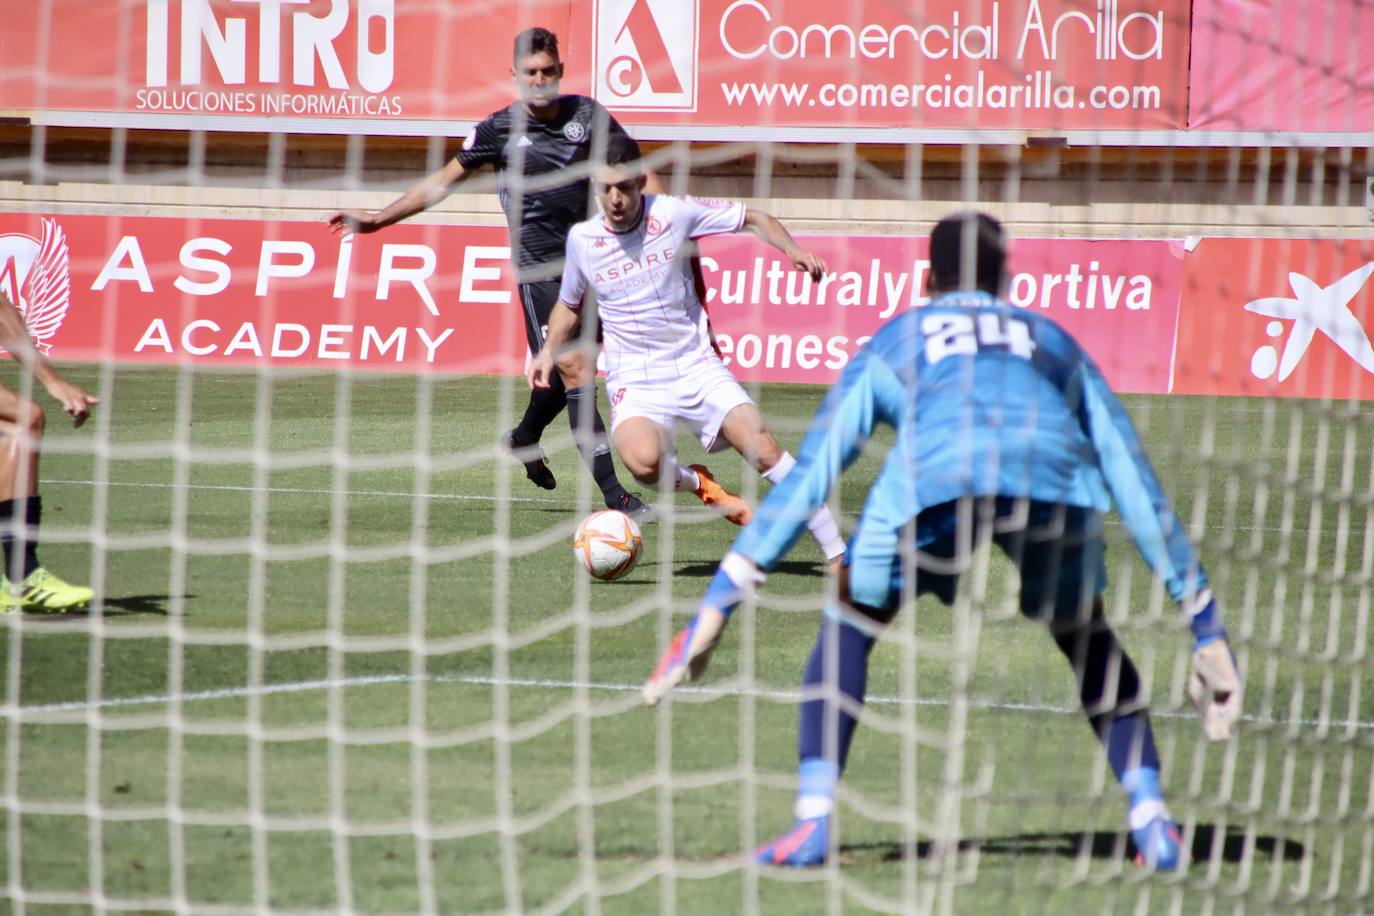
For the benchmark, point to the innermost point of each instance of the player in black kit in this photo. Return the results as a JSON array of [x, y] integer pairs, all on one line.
[[528, 143]]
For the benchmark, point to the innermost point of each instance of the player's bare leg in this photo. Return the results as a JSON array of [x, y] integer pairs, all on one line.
[[643, 446], [747, 433], [744, 429], [646, 450], [21, 428], [25, 582]]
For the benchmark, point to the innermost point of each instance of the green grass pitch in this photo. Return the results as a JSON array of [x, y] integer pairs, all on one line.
[[345, 659]]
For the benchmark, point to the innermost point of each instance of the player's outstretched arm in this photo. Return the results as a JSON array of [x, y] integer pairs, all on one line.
[[424, 194], [867, 393], [1214, 684], [690, 652], [767, 227], [14, 337]]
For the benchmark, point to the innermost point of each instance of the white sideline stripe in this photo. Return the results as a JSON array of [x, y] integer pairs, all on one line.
[[317, 491], [229, 693]]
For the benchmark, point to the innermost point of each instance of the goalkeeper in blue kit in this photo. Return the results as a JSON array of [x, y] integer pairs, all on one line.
[[1005, 430]]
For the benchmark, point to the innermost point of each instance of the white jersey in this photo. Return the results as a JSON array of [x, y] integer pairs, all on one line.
[[653, 325]]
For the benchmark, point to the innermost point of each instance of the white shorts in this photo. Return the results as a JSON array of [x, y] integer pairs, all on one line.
[[699, 400]]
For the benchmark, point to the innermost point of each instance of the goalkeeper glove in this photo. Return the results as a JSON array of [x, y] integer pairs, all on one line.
[[690, 652], [1214, 683]]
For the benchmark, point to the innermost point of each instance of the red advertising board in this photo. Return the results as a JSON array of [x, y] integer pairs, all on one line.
[[1265, 65], [1277, 318], [1262, 317], [1118, 298], [252, 292], [966, 64], [441, 298], [704, 66], [370, 60]]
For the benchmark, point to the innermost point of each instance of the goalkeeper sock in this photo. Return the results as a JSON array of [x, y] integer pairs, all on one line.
[[596, 452], [1130, 741], [816, 782], [20, 541], [1146, 798], [822, 523], [1123, 726], [838, 665]]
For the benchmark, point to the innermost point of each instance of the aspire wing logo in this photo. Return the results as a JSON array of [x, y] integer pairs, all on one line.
[[35, 273], [645, 54], [1315, 308]]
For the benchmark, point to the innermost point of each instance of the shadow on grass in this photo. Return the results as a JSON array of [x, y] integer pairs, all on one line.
[[140, 604], [127, 606], [790, 567], [1070, 844]]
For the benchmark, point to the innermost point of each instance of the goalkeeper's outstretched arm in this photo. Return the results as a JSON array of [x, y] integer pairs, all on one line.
[[867, 393], [1215, 684]]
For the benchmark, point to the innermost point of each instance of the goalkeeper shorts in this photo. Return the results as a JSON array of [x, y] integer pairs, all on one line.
[[1058, 550]]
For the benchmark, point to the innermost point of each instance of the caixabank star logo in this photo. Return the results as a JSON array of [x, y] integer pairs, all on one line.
[[35, 273], [645, 54], [1313, 308]]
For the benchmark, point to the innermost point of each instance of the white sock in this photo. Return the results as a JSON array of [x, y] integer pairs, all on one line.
[[813, 806], [777, 472], [686, 480], [1145, 811], [822, 524]]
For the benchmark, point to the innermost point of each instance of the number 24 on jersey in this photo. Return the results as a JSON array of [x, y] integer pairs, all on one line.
[[955, 334]]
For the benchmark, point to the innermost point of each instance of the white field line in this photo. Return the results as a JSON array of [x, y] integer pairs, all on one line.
[[319, 491], [470, 497], [791, 696]]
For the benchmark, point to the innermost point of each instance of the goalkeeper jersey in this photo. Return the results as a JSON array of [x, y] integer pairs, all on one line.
[[986, 400]]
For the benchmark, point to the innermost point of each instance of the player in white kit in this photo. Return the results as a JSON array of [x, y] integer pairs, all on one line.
[[661, 369]]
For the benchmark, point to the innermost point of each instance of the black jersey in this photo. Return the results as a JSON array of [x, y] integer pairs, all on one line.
[[518, 144]]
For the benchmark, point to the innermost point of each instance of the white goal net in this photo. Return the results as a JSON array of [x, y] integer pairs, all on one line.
[[340, 654]]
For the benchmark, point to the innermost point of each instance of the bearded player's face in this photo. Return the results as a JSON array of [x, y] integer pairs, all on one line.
[[538, 75]]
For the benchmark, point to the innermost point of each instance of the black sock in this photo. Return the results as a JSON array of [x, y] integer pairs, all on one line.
[[20, 539], [544, 406], [596, 452]]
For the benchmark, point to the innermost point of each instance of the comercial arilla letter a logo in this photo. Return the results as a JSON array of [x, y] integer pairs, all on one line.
[[35, 273], [1315, 308], [645, 55]]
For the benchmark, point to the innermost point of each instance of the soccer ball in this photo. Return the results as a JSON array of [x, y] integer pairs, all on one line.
[[608, 544]]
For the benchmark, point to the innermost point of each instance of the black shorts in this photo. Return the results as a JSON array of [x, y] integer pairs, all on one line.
[[537, 299]]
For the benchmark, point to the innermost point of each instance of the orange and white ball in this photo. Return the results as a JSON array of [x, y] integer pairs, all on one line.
[[608, 544]]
